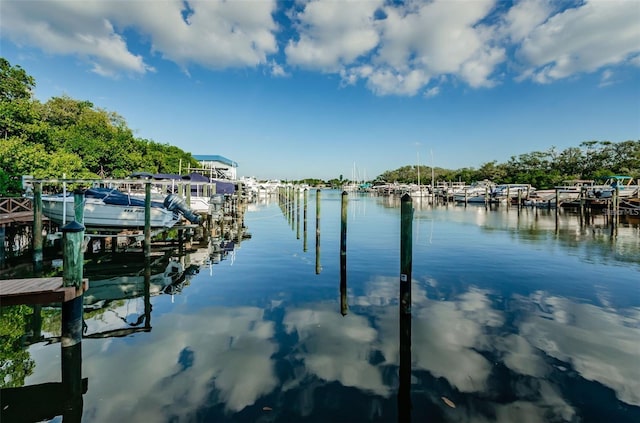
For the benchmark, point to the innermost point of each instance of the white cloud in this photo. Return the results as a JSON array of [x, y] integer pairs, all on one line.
[[333, 34], [409, 48], [524, 17], [76, 28], [216, 34], [212, 34], [582, 39]]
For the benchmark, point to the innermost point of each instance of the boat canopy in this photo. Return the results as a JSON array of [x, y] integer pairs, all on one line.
[[118, 198]]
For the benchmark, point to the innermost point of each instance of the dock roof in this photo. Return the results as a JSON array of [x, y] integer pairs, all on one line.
[[215, 158]]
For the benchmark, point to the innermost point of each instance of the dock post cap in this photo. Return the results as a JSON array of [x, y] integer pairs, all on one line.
[[72, 226]]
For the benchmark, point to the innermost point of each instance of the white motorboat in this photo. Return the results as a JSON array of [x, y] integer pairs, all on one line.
[[112, 209]]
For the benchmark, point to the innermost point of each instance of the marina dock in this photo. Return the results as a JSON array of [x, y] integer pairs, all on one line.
[[38, 291]]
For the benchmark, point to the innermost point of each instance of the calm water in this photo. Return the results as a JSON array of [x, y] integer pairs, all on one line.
[[515, 318]]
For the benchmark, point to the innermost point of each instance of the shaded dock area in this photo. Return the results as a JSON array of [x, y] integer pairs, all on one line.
[[38, 291]]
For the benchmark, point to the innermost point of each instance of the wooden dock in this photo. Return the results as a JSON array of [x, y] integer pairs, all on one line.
[[38, 291]]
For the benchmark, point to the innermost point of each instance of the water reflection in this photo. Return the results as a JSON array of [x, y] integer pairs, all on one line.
[[511, 320]]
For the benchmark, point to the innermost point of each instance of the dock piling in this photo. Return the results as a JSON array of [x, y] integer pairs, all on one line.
[[37, 226], [304, 221], [147, 219], [343, 254], [406, 253]]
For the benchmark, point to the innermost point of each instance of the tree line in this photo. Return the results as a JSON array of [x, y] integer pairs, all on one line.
[[65, 136], [542, 169]]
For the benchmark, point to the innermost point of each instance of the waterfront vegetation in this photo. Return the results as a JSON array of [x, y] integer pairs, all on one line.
[[77, 139]]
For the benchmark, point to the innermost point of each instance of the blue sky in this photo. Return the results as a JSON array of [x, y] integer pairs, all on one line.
[[310, 88]]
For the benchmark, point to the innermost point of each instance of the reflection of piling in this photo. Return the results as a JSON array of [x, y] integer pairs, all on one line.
[[147, 292], [147, 219], [343, 254], [317, 232], [37, 225], [304, 225], [406, 254]]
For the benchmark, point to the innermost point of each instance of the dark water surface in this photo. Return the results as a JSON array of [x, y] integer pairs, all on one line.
[[515, 318]]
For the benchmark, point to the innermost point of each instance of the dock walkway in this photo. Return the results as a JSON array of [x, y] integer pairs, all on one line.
[[37, 291]]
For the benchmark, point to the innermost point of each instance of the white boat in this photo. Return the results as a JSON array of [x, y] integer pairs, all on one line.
[[112, 209], [477, 192], [625, 185]]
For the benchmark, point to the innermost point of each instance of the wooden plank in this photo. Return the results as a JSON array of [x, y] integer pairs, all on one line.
[[37, 291], [29, 285]]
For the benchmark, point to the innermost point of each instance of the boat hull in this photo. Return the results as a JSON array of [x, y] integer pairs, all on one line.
[[100, 215]]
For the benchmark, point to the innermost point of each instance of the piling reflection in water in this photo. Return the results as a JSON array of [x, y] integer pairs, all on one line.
[[344, 306], [318, 267]]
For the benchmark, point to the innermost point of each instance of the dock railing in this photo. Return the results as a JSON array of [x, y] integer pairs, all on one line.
[[9, 205]]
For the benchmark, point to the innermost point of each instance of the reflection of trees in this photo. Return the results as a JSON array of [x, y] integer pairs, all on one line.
[[16, 363]]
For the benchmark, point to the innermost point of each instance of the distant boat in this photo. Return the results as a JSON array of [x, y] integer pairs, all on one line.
[[510, 192], [477, 192], [112, 209]]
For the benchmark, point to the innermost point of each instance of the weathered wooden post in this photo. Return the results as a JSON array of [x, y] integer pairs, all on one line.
[[519, 198], [147, 219], [187, 193], [406, 257], [582, 200], [406, 253], [37, 226], [294, 200], [304, 217], [71, 336], [343, 254], [318, 232], [614, 212]]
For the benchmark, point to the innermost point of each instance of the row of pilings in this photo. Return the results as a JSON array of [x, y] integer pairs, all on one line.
[[224, 221], [290, 199]]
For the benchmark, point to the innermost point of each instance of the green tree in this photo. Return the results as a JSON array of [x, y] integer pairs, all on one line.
[[16, 109]]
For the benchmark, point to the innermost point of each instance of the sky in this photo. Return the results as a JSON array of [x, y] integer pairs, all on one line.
[[323, 88]]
